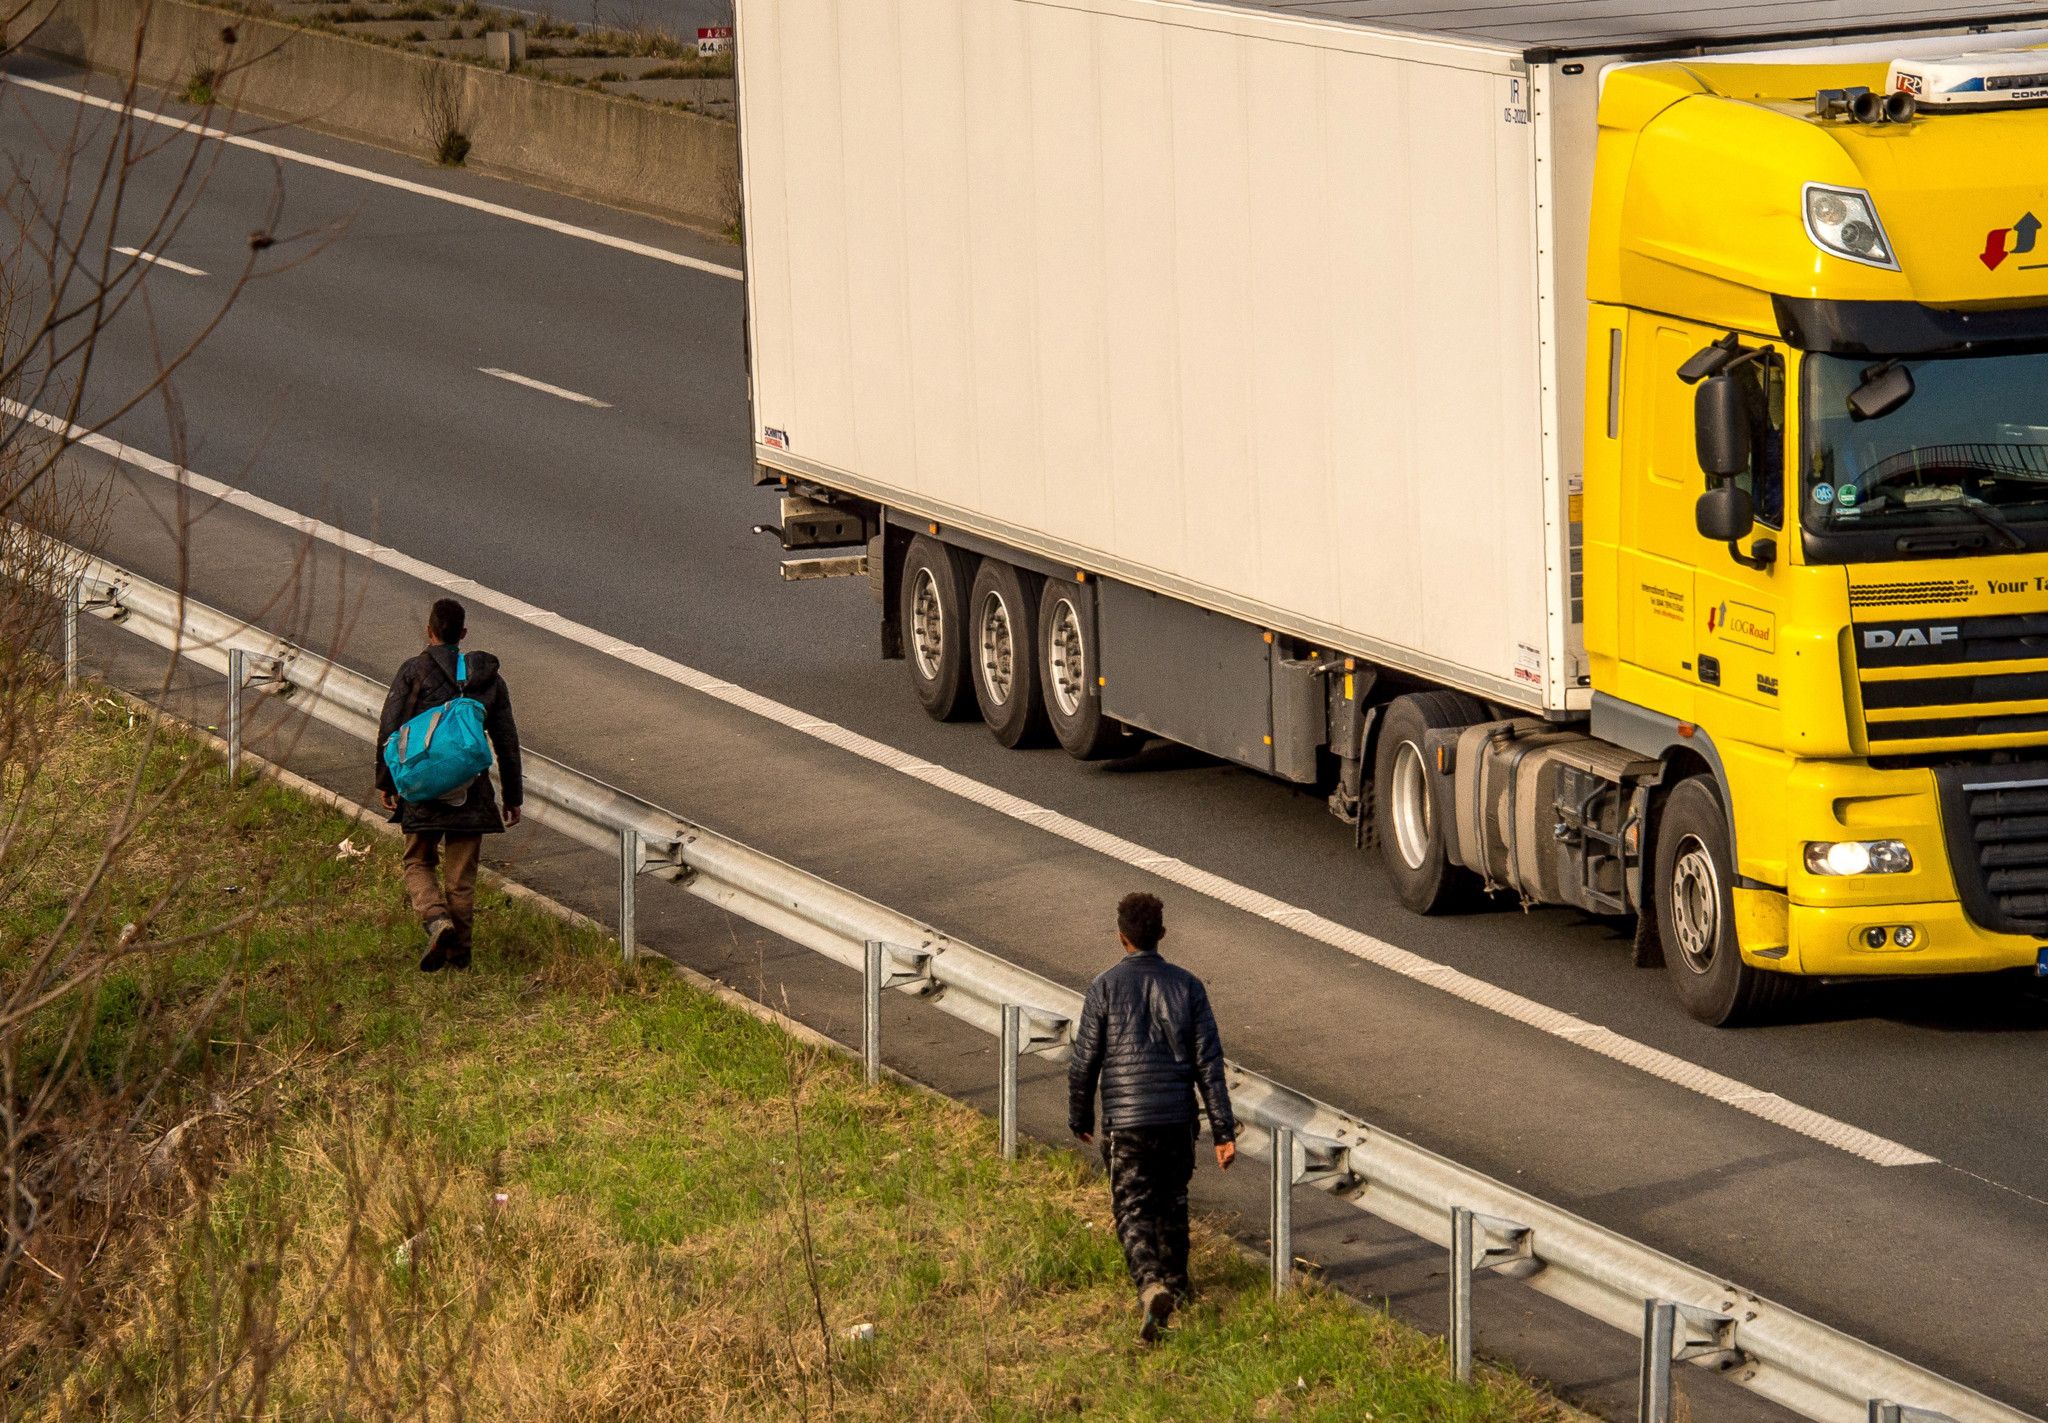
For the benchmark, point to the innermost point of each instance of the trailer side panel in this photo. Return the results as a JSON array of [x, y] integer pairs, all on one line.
[[1239, 309]]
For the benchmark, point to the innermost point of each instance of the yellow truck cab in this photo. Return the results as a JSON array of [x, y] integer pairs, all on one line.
[[1829, 279]]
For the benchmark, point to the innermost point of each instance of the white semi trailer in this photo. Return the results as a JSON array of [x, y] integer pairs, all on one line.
[[1063, 280]]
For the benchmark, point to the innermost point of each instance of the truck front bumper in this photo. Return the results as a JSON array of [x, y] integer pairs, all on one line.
[[1827, 925], [1838, 942]]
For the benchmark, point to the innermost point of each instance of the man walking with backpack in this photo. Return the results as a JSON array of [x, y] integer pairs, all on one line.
[[1149, 1041], [447, 711]]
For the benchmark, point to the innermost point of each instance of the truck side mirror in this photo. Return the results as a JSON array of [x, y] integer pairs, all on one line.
[[1720, 417], [1724, 514]]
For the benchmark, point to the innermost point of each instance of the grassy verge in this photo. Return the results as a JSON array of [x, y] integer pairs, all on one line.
[[552, 1188]]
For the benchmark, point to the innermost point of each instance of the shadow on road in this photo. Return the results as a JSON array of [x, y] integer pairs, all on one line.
[[1992, 1003]]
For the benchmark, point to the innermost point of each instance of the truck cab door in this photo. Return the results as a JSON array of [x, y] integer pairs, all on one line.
[[1700, 627]]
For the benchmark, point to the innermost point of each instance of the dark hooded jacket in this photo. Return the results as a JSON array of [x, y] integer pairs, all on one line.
[[1148, 1038], [425, 682]]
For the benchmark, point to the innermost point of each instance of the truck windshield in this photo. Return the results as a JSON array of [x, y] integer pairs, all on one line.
[[1959, 467]]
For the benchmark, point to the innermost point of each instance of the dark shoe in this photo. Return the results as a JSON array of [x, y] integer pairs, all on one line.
[[440, 944], [1155, 1304], [458, 957]]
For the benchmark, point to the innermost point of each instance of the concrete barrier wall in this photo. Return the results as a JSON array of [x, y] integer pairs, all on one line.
[[634, 155]]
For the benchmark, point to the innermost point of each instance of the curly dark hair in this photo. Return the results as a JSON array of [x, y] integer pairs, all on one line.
[[1141, 918], [446, 620]]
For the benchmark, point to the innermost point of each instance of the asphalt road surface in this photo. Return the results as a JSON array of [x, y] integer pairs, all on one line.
[[418, 378]]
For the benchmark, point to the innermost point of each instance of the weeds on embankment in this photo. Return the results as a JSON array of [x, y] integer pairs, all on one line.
[[553, 1188]]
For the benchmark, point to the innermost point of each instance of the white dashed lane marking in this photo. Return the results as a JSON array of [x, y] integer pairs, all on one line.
[[531, 384], [156, 261]]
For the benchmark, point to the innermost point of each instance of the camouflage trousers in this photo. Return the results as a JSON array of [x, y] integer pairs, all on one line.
[[1149, 1169]]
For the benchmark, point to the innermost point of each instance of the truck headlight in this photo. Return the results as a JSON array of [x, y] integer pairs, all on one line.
[[1858, 857], [1843, 221]]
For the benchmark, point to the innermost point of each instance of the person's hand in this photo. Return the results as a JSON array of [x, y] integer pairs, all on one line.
[[1226, 1152], [390, 800], [1086, 1138], [511, 816]]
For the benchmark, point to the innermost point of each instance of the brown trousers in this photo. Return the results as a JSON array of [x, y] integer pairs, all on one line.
[[450, 894]]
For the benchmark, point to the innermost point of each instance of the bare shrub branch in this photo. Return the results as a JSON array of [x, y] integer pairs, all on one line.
[[118, 1105], [447, 122]]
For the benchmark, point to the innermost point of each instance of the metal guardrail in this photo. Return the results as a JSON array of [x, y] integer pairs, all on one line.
[[1681, 1314]]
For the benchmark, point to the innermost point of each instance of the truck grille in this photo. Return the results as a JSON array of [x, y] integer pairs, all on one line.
[[1892, 595], [1954, 683], [1997, 827]]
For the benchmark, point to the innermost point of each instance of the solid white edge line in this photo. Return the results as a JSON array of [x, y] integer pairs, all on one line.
[[155, 260], [255, 145], [541, 385], [1653, 1062]]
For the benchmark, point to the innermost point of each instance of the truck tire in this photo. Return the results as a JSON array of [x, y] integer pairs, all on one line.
[[1003, 652], [1695, 899], [935, 633], [1412, 839], [1068, 678]]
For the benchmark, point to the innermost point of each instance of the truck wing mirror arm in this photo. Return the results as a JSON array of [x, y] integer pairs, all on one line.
[[1711, 360], [1725, 514], [1762, 554], [1718, 358]]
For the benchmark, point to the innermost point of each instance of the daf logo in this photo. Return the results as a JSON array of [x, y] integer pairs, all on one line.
[[1910, 637]]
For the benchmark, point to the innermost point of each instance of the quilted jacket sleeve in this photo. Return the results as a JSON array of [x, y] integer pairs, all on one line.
[[1209, 1069], [1084, 1068]]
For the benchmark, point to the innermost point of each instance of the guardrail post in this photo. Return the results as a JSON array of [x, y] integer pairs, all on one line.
[[1660, 1327], [74, 594], [1461, 1294], [871, 1011], [1478, 1242], [629, 873], [236, 681], [1010, 1050], [1883, 1410], [1281, 1214]]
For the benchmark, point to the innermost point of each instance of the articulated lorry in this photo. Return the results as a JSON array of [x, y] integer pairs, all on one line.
[[1606, 449]]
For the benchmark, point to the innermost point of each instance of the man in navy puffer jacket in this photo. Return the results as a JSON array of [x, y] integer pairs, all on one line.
[[1149, 1041]]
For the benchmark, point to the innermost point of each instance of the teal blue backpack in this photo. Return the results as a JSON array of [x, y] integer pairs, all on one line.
[[439, 752]]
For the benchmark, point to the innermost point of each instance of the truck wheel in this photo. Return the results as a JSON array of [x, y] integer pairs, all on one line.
[[1067, 675], [1696, 914], [1003, 612], [1404, 811], [935, 635]]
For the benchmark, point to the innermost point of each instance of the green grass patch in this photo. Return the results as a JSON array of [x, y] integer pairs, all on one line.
[[555, 1188]]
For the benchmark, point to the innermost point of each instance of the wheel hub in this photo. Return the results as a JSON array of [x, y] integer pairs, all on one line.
[[1066, 658], [1695, 905], [927, 625], [1414, 815], [998, 649]]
